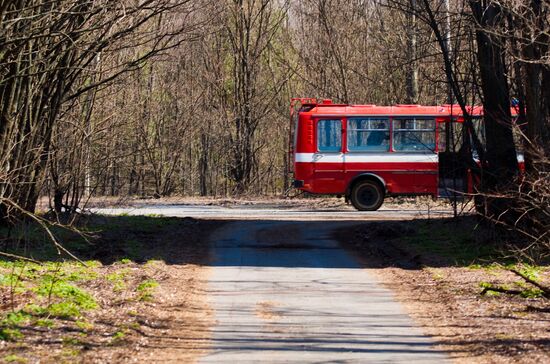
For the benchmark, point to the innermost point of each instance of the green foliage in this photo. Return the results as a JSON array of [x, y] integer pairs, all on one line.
[[525, 292], [532, 272], [14, 359], [117, 337], [135, 326], [35, 310], [147, 285], [145, 289], [532, 293], [154, 215], [64, 310], [10, 334], [448, 241], [437, 274], [9, 325], [84, 325], [489, 292], [153, 262], [118, 279], [44, 322], [16, 318], [50, 287], [71, 341]]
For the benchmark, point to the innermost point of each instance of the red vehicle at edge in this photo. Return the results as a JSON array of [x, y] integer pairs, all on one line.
[[367, 152]]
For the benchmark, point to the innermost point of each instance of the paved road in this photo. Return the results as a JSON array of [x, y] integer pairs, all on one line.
[[284, 292], [267, 211]]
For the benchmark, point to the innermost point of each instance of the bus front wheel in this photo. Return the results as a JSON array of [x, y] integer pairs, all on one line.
[[367, 196]]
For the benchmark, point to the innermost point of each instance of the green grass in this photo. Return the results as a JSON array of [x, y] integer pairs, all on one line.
[[154, 215], [456, 244], [14, 359], [84, 325], [50, 290], [532, 272], [44, 322], [118, 336], [15, 318], [52, 294], [10, 334], [51, 286], [145, 289], [461, 243], [118, 279]]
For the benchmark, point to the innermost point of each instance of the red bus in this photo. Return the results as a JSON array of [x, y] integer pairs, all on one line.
[[368, 152]]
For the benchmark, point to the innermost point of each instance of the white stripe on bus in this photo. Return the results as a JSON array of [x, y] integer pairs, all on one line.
[[365, 157]]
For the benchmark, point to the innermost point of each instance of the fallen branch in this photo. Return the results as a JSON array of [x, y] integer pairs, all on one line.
[[545, 290], [501, 290], [19, 257]]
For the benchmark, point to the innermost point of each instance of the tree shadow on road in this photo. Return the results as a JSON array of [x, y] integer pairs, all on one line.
[[109, 239]]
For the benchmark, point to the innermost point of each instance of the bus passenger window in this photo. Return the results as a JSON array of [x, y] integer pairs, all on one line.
[[368, 135], [329, 135], [414, 135]]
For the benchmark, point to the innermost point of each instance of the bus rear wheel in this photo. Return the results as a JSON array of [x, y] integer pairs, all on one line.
[[367, 196]]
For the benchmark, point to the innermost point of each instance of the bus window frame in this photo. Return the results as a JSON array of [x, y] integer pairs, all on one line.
[[388, 130], [415, 117], [316, 124]]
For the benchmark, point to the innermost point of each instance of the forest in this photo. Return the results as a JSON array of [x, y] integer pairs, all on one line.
[[155, 98], [147, 208]]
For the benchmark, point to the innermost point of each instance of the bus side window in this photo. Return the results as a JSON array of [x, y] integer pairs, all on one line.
[[368, 135], [414, 135], [329, 136]]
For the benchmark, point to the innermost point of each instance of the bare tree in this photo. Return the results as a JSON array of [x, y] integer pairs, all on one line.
[[48, 49], [251, 26]]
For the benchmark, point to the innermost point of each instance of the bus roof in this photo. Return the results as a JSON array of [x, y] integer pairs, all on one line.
[[328, 108], [325, 107]]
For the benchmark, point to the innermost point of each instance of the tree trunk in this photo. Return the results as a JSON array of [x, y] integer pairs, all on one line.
[[412, 69], [502, 164]]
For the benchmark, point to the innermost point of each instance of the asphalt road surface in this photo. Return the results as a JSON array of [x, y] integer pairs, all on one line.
[[266, 211], [283, 291]]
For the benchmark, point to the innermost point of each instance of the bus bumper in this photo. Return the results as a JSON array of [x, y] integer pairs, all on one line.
[[298, 183]]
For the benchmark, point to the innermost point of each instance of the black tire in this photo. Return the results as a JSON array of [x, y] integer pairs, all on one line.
[[367, 196]]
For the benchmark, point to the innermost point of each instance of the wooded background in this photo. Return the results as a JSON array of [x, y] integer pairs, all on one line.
[[161, 97]]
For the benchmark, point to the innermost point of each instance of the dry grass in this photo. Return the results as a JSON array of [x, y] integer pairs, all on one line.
[[439, 278], [149, 306]]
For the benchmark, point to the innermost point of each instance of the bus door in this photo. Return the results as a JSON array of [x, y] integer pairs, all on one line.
[[415, 139], [452, 167], [328, 160]]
